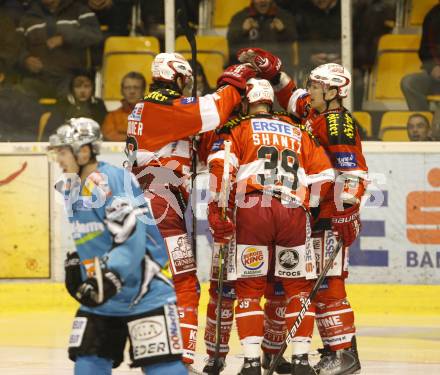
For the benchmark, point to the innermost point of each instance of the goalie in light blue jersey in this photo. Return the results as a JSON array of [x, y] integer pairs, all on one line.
[[117, 271]]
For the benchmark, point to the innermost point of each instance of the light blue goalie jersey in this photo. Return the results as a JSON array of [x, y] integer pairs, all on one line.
[[112, 220]]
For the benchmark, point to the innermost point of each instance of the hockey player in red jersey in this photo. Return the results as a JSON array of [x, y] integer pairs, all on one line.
[[158, 149], [274, 307], [338, 216], [274, 162]]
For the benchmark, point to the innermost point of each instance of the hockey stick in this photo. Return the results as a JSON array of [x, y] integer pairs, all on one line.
[[304, 308], [182, 16], [224, 197], [99, 281]]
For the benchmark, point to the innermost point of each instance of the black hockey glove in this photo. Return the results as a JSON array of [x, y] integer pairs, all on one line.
[[88, 293], [72, 267]]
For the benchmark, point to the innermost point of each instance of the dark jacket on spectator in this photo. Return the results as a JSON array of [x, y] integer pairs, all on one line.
[[265, 37], [68, 108], [429, 51], [20, 115], [9, 40], [318, 31], [76, 23]]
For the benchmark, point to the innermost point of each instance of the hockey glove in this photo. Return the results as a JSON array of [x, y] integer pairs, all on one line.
[[237, 76], [72, 268], [222, 230], [347, 224], [267, 65], [300, 103], [88, 293]]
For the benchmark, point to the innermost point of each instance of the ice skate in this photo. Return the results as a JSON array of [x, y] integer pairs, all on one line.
[[283, 366], [192, 370], [301, 365], [251, 366], [341, 362], [214, 368]]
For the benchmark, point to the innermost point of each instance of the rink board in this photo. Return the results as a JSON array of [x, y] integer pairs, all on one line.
[[399, 242]]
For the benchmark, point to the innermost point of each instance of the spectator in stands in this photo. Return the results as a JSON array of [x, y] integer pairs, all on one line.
[[14, 9], [263, 24], [9, 40], [319, 33], [113, 15], [133, 87], [20, 113], [56, 35], [203, 87], [417, 86], [153, 18], [80, 102], [418, 128]]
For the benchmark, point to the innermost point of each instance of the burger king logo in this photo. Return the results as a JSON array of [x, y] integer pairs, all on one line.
[[252, 258]]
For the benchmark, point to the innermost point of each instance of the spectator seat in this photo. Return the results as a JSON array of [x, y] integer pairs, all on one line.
[[225, 9], [397, 56], [364, 120], [418, 10], [212, 53], [123, 55], [393, 125], [42, 124]]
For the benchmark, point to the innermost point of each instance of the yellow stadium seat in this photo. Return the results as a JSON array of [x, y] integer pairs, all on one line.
[[393, 125], [397, 56], [42, 125], [123, 55], [212, 53], [418, 11], [364, 119], [225, 9]]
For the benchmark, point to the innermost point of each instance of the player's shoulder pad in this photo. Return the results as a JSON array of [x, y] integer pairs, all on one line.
[[296, 122], [163, 96], [304, 129], [341, 128], [232, 123]]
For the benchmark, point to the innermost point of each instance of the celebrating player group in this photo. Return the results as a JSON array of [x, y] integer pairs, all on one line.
[[285, 193]]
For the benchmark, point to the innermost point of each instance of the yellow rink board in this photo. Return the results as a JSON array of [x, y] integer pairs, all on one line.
[[24, 217], [40, 315]]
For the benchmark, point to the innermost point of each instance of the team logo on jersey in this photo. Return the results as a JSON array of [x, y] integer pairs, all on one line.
[[217, 144], [188, 100], [274, 127], [288, 258], [136, 114], [345, 160], [252, 258]]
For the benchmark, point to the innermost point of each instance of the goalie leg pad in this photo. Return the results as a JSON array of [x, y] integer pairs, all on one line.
[[334, 315], [97, 335], [155, 336]]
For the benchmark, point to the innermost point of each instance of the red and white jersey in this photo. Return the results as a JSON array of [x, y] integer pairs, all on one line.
[[164, 116], [337, 132], [273, 155], [159, 128]]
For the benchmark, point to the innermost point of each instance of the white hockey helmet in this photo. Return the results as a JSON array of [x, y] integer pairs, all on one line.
[[259, 91], [167, 67], [332, 75], [76, 133]]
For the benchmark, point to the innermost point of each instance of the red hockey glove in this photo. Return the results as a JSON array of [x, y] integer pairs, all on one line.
[[347, 224], [237, 76], [222, 230], [268, 65], [301, 103]]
